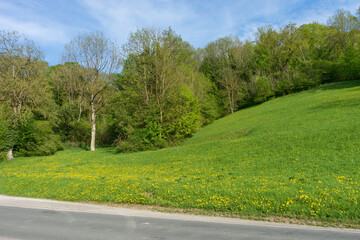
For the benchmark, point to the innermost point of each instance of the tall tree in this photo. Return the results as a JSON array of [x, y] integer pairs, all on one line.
[[153, 57], [346, 26], [228, 63], [274, 51], [98, 59], [72, 107], [166, 97], [22, 76]]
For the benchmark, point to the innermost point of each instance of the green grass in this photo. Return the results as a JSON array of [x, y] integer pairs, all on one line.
[[294, 157]]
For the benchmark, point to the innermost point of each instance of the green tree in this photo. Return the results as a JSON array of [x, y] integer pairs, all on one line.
[[23, 86], [346, 25], [97, 59], [72, 112], [228, 63], [159, 79]]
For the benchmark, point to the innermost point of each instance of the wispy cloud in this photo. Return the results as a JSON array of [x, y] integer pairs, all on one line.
[[36, 31], [121, 17], [200, 22], [321, 11], [196, 21], [40, 21], [34, 19]]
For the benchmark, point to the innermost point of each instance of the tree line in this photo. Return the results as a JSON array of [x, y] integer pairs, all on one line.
[[157, 90]]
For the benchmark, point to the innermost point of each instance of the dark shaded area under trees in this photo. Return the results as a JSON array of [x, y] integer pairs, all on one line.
[[166, 90]]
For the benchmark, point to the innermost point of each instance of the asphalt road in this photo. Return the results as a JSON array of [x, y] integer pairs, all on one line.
[[44, 219]]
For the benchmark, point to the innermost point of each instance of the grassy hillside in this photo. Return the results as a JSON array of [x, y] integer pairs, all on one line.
[[296, 156]]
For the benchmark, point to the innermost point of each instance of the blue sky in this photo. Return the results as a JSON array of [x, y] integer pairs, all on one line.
[[52, 24]]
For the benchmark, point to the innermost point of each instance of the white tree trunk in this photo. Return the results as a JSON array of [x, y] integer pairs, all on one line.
[[9, 155], [93, 127]]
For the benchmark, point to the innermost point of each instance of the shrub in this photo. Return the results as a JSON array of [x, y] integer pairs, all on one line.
[[263, 90], [36, 138], [142, 139]]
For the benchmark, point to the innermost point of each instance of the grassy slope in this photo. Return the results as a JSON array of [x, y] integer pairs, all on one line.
[[297, 156]]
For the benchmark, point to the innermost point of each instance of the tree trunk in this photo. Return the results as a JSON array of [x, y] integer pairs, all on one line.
[[145, 87], [9, 155], [93, 126], [230, 102], [161, 121], [80, 111]]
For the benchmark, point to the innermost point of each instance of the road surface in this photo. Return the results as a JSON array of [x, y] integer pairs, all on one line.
[[22, 218]]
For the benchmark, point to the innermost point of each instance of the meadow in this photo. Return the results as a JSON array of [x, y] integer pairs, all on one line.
[[294, 157]]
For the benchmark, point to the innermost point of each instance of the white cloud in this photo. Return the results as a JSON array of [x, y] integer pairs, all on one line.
[[119, 18], [280, 13], [321, 11], [35, 31], [201, 22], [33, 19], [197, 22], [36, 21]]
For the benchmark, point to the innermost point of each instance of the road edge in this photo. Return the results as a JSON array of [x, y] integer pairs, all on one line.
[[55, 205]]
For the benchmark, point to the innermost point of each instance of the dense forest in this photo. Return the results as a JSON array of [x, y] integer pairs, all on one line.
[[157, 90]]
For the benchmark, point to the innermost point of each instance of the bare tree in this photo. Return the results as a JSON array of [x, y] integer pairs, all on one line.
[[22, 75], [98, 58]]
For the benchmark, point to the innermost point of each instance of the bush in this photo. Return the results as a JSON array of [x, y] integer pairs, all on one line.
[[263, 90], [8, 133], [125, 147], [184, 117], [2, 156], [84, 146], [142, 139], [106, 130], [81, 131], [36, 138]]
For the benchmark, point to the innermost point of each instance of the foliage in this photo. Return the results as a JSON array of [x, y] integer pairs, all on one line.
[[261, 89], [93, 60], [161, 90], [185, 117], [22, 80], [36, 138], [229, 64], [23, 88], [7, 133]]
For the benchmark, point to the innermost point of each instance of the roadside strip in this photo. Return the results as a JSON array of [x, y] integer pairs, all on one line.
[[53, 205]]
